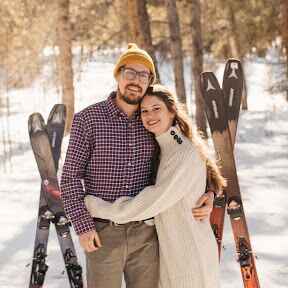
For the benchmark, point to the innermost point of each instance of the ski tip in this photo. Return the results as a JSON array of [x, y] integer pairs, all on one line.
[[35, 123], [207, 74], [57, 114], [208, 81], [214, 102], [233, 60], [233, 70]]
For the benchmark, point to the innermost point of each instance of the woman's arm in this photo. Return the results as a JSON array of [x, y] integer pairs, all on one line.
[[183, 173]]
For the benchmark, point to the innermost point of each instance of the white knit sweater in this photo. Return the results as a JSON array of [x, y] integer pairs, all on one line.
[[188, 249]]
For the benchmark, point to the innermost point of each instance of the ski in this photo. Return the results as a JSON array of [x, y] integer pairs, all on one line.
[[55, 130], [218, 121], [46, 145], [39, 266], [232, 88]]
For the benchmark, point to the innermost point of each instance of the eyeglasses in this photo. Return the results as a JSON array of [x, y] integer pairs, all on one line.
[[131, 74]]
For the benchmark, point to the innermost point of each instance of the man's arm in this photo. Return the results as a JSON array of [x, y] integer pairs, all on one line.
[[204, 205], [72, 192]]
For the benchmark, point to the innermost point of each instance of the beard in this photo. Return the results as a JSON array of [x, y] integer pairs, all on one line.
[[127, 98]]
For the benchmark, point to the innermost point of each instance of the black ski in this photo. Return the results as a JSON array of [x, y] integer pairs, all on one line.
[[55, 129], [39, 266], [46, 145]]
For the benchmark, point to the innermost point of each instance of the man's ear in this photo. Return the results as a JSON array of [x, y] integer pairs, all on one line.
[[118, 75], [153, 80]]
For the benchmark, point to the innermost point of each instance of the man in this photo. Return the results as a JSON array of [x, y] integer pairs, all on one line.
[[110, 152]]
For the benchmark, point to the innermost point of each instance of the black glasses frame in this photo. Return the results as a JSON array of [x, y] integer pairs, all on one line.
[[137, 73]]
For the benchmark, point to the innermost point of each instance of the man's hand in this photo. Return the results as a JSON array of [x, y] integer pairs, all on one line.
[[88, 241], [204, 206]]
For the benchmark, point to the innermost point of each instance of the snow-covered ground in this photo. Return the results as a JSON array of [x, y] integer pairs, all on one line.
[[262, 160]]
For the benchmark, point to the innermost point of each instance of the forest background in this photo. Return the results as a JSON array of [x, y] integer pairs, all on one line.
[[203, 32]]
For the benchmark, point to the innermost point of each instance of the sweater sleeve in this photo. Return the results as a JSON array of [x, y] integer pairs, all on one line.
[[181, 174], [72, 192]]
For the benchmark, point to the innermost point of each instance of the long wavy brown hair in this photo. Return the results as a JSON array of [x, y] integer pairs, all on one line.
[[215, 180]]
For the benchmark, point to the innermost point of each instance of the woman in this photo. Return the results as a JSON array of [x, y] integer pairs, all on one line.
[[188, 249]]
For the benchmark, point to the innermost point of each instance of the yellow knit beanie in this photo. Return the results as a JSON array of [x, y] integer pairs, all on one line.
[[135, 54]]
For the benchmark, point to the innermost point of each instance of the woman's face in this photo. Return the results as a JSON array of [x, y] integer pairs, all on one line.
[[155, 115]]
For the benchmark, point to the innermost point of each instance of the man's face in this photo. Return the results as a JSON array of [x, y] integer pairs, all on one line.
[[133, 80]]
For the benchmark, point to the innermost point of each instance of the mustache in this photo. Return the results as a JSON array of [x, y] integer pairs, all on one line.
[[135, 86]]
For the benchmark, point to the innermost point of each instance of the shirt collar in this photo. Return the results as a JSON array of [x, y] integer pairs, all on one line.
[[115, 111]]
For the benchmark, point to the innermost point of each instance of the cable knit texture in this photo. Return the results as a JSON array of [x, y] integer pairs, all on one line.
[[188, 249]]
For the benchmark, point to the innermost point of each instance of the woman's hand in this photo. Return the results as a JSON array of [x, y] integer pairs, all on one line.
[[90, 241], [204, 206]]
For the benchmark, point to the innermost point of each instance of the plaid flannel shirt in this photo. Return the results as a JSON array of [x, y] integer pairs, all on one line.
[[109, 156]]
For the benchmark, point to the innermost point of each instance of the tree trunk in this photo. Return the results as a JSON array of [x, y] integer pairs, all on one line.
[[284, 25], [65, 68], [245, 92], [236, 52], [176, 50], [139, 24], [197, 65]]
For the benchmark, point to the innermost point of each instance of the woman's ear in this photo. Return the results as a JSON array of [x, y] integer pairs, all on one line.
[[174, 109], [174, 113]]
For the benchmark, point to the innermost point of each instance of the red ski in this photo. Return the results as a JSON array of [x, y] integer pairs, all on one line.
[[232, 88], [219, 124]]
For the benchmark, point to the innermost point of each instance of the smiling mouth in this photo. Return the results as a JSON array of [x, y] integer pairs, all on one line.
[[134, 89], [153, 123]]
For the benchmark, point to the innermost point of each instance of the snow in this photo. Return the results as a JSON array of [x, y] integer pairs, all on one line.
[[261, 155]]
